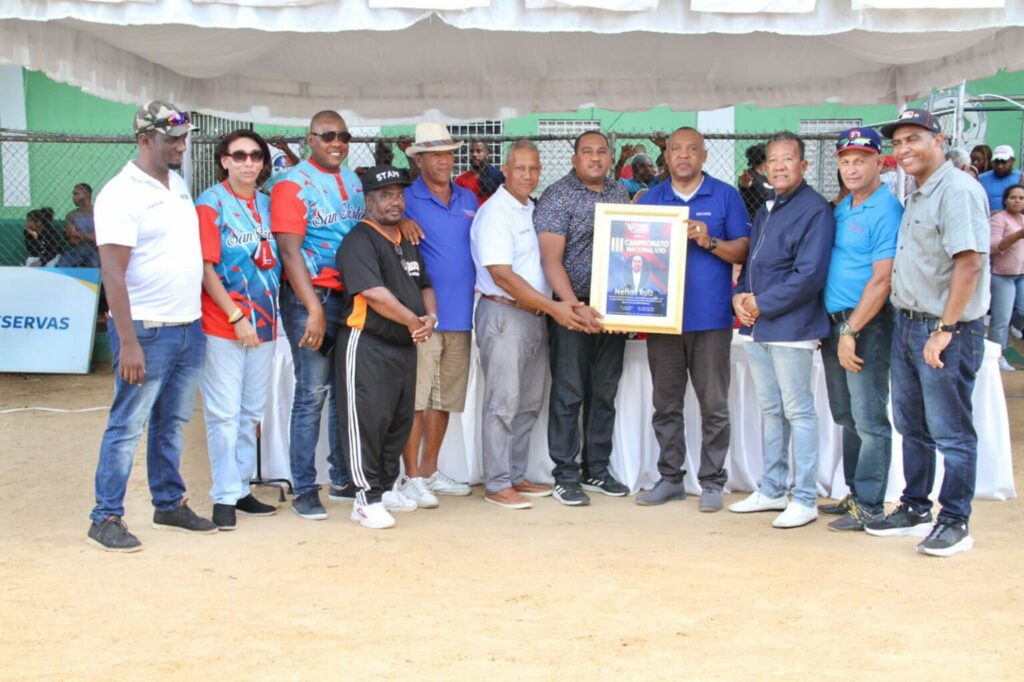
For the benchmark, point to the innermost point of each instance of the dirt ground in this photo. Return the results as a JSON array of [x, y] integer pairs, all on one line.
[[470, 591]]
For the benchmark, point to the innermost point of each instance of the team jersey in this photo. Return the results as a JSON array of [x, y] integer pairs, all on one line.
[[230, 230], [321, 206]]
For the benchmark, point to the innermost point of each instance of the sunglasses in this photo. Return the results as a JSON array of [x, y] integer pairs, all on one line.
[[329, 137], [855, 142], [178, 118], [239, 156]]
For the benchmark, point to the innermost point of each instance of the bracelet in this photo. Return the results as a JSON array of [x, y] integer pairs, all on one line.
[[237, 316]]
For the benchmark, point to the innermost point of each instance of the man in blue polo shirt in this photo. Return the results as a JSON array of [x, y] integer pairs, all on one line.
[[444, 212], [1000, 177], [719, 230], [856, 353]]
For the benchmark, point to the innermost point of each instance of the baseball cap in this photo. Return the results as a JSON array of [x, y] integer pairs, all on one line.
[[383, 176], [866, 139], [1003, 152], [163, 117], [912, 117]]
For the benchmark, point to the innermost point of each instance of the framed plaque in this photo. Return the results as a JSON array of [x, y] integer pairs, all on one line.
[[639, 267]]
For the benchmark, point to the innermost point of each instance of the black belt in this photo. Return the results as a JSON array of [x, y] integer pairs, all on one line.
[[916, 315], [841, 316]]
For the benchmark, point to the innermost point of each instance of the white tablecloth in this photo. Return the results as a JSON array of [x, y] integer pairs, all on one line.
[[635, 450]]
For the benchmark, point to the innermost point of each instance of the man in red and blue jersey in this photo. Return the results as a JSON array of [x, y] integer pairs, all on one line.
[[311, 210]]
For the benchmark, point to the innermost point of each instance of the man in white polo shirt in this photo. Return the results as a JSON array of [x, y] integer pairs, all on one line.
[[147, 231], [510, 328]]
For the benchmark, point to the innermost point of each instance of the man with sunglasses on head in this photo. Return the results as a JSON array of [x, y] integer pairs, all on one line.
[[152, 269], [311, 210]]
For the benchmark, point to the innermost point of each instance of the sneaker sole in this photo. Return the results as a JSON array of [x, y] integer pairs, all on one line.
[[921, 530], [226, 528], [366, 523], [546, 493], [795, 525], [598, 489], [656, 503], [964, 545], [119, 550], [310, 517], [755, 510], [332, 498], [570, 503], [506, 505], [710, 509], [250, 513], [452, 493], [164, 526], [401, 510]]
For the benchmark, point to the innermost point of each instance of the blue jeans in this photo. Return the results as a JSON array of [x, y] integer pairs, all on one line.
[[782, 377], [314, 383], [1007, 304], [166, 398], [235, 386], [932, 408], [858, 401]]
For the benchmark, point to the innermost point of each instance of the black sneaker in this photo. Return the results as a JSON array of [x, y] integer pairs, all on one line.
[[946, 539], [571, 495], [836, 508], [901, 521], [343, 493], [250, 505], [224, 516], [183, 519], [112, 535], [307, 505], [854, 519], [607, 486]]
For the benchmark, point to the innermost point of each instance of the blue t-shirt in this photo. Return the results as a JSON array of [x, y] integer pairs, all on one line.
[[707, 303], [446, 251], [864, 234], [994, 187]]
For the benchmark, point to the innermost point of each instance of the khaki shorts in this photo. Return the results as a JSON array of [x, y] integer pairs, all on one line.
[[442, 371]]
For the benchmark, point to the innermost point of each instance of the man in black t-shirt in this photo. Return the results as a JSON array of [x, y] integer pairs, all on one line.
[[389, 306]]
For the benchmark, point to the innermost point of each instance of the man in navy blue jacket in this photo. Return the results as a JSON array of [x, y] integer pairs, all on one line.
[[779, 301]]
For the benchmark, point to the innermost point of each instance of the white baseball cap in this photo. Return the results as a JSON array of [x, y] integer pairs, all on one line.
[[1003, 152]]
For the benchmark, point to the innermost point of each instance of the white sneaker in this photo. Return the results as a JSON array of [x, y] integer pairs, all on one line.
[[757, 502], [1005, 366], [1016, 333], [394, 501], [796, 515], [416, 490], [372, 515], [439, 484]]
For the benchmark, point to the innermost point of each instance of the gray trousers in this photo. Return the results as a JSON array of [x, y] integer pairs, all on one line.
[[513, 354], [702, 357]]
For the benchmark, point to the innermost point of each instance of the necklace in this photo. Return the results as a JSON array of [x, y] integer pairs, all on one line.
[[257, 224]]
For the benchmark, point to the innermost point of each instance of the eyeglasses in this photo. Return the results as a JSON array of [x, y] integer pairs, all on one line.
[[855, 142], [239, 156], [329, 136]]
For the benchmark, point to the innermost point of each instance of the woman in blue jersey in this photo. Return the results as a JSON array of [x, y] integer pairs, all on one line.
[[240, 283]]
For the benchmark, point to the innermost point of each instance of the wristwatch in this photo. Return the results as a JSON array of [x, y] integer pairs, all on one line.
[[713, 245], [846, 330], [943, 327]]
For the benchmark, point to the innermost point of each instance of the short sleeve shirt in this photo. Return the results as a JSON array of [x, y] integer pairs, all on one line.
[[366, 259], [231, 229], [707, 303], [946, 216], [322, 207], [503, 234], [483, 186], [165, 270], [567, 208], [864, 234], [446, 250], [995, 186]]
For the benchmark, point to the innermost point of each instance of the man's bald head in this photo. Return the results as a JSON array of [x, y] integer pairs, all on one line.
[[325, 116]]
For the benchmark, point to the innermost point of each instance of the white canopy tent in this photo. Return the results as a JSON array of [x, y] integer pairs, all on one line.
[[391, 61]]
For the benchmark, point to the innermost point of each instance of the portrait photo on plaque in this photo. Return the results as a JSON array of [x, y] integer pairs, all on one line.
[[639, 267]]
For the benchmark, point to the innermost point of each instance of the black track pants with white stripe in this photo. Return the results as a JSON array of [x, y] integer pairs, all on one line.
[[376, 384]]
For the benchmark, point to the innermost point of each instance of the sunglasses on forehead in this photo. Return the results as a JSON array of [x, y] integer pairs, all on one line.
[[178, 118], [329, 136], [856, 142], [239, 156]]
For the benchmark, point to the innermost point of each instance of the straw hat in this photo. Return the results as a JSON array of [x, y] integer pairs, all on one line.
[[432, 137]]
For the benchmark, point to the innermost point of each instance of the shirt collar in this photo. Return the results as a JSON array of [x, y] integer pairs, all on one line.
[[578, 184], [872, 201], [506, 196], [933, 181], [421, 191]]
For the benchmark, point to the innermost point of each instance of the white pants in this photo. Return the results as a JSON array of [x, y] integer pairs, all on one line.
[[235, 385]]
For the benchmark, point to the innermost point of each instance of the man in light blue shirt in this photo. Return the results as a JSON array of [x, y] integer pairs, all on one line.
[[856, 353]]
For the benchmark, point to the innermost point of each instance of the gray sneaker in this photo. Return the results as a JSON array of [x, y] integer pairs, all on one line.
[[710, 500], [855, 518], [112, 535], [663, 491], [182, 519], [307, 505]]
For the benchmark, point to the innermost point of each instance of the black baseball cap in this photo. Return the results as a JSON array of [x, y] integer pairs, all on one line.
[[382, 176], [912, 117]]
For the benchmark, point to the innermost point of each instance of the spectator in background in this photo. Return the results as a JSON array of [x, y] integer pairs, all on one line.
[[80, 231], [643, 175], [1000, 177], [482, 179], [41, 241], [754, 186], [981, 158], [890, 176], [404, 142], [1007, 268], [383, 153], [843, 192]]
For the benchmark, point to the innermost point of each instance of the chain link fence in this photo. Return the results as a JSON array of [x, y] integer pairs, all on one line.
[[40, 170]]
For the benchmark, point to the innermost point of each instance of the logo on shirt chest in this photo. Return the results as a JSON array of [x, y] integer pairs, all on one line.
[[241, 239], [412, 267]]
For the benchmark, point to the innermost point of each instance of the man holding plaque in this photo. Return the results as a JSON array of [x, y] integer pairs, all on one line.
[[780, 304], [719, 233], [585, 365]]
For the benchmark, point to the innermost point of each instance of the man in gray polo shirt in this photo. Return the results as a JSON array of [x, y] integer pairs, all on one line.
[[940, 290]]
